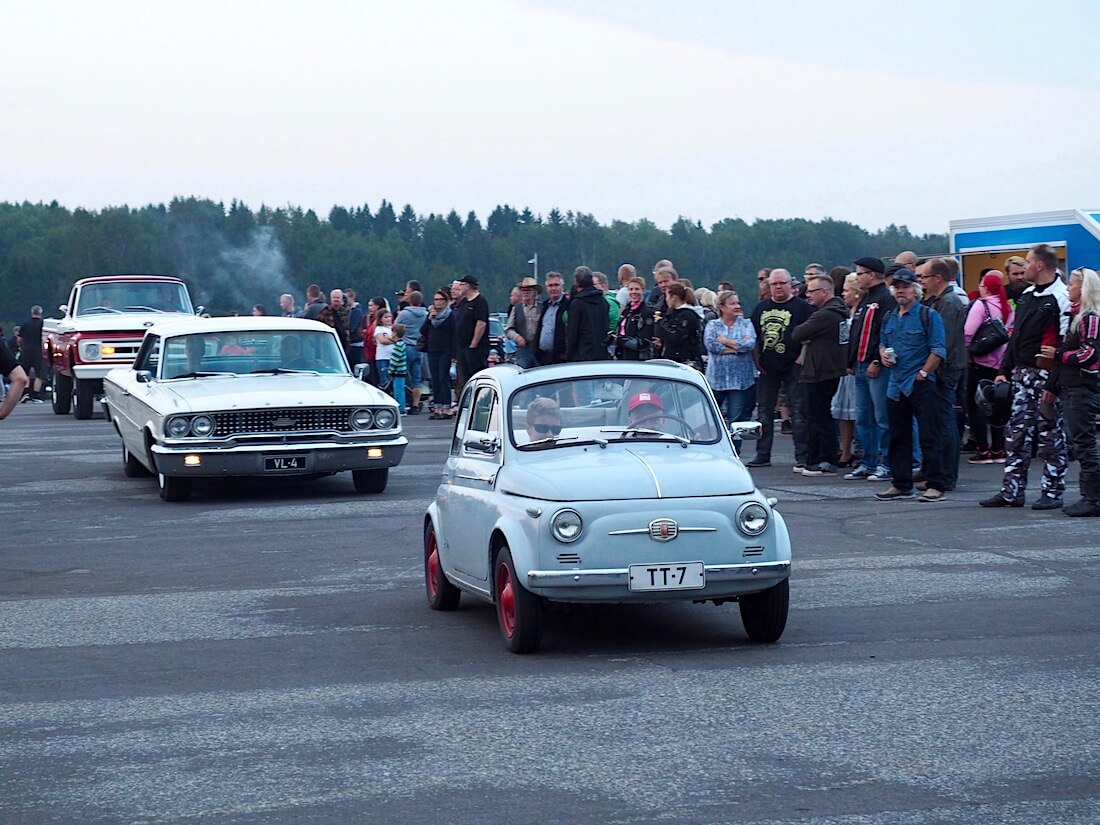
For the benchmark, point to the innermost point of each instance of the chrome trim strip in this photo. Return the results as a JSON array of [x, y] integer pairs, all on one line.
[[206, 448], [652, 475], [713, 573], [644, 531]]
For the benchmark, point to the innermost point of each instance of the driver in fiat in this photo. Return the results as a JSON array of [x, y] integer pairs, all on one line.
[[646, 409], [543, 419]]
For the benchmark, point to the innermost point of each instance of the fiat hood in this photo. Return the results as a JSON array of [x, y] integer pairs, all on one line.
[[620, 473]]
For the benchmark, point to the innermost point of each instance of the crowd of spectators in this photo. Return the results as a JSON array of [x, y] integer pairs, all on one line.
[[877, 374]]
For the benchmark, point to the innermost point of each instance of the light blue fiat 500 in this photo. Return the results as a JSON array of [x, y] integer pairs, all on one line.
[[601, 482]]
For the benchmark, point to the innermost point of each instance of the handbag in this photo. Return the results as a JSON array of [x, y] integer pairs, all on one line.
[[990, 335]]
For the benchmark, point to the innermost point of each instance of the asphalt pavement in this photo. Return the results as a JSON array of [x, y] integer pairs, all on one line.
[[264, 654]]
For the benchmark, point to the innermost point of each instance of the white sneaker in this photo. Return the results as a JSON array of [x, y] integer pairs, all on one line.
[[880, 474], [858, 474], [800, 469]]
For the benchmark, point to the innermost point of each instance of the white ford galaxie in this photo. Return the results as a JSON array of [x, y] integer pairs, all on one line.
[[220, 397]]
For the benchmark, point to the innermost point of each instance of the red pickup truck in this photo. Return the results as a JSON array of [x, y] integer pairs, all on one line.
[[101, 328]]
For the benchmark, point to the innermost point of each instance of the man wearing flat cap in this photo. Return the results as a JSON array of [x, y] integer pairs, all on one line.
[[913, 345], [471, 328], [523, 322], [872, 417]]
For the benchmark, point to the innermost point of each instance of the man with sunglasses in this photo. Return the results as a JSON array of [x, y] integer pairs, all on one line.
[[543, 419]]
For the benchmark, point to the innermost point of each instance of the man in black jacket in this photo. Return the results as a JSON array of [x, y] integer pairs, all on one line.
[[550, 337], [1042, 318], [586, 328], [824, 338], [872, 413]]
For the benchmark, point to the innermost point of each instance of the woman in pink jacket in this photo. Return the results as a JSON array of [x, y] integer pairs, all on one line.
[[992, 299]]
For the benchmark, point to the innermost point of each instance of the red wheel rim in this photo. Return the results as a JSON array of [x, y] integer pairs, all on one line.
[[506, 601], [431, 565]]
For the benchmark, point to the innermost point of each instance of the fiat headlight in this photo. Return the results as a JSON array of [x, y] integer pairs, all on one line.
[[566, 526], [202, 425], [177, 427], [89, 351], [385, 419], [752, 518], [362, 419]]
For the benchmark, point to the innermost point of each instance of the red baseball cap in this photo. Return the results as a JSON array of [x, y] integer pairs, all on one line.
[[645, 398]]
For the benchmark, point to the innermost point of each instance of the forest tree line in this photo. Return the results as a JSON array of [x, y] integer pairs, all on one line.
[[232, 258]]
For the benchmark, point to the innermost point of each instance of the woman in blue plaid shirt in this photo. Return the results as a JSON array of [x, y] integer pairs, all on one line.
[[729, 340]]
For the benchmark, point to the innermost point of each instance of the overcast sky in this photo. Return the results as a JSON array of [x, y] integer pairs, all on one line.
[[872, 112]]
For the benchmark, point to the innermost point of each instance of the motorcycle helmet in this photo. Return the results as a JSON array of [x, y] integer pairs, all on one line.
[[994, 399]]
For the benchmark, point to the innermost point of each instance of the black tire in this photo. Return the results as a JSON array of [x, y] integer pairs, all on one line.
[[764, 614], [370, 481], [519, 611], [62, 393], [174, 488], [85, 399], [442, 595]]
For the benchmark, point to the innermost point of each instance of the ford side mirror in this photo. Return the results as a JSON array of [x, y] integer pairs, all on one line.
[[198, 310], [360, 371], [143, 376]]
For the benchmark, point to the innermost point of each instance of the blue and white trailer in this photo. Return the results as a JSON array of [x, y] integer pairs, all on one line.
[[985, 243]]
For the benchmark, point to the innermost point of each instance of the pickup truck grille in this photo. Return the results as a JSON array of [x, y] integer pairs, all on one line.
[[125, 350], [323, 419]]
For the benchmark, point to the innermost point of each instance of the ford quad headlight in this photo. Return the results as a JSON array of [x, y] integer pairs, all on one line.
[[566, 526], [202, 425], [752, 518], [385, 419], [177, 426], [362, 419], [89, 351]]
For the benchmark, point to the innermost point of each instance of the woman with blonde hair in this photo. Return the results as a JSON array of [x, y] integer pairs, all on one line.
[[843, 405], [1076, 378]]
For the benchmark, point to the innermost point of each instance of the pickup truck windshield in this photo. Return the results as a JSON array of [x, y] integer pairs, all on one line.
[[108, 298]]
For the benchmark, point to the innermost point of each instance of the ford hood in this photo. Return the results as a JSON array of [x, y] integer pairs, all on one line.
[[621, 473], [257, 392]]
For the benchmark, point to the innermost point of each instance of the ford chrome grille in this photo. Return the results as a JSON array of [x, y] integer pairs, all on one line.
[[324, 419]]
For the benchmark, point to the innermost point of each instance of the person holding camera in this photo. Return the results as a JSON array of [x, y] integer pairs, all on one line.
[[633, 333]]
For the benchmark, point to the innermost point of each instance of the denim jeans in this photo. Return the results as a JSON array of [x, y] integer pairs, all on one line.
[[767, 392], [439, 366], [872, 418], [736, 405]]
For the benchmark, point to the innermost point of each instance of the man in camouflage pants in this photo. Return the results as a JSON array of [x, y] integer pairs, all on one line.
[[1041, 320]]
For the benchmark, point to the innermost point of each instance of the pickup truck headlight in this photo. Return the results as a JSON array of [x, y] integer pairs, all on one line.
[[177, 426], [89, 350], [566, 526], [752, 518]]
